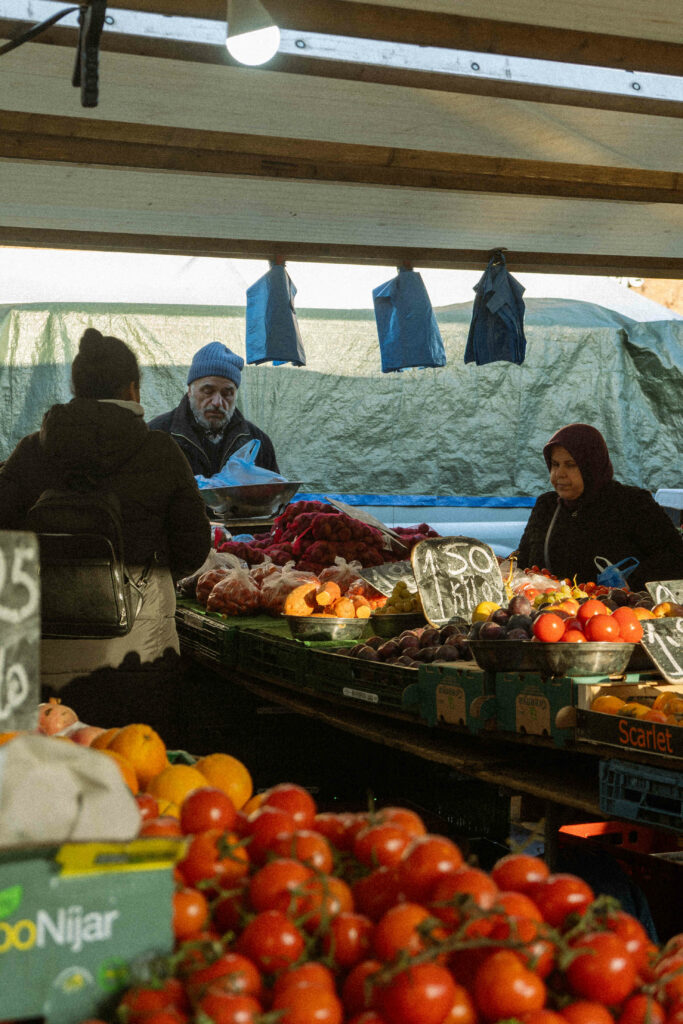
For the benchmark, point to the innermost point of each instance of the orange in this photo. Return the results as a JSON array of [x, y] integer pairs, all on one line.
[[5, 737], [634, 710], [175, 782], [254, 803], [143, 747], [662, 700], [102, 741], [168, 809], [227, 773], [643, 613], [126, 769], [667, 609], [607, 704]]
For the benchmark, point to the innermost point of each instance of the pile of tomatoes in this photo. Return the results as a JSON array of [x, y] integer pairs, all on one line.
[[288, 915], [591, 621]]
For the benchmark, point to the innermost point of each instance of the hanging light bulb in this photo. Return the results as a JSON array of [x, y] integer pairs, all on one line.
[[253, 37]]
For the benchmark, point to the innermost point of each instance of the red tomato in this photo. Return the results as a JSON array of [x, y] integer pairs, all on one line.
[[604, 970], [335, 828], [358, 988], [586, 1012], [214, 855], [630, 629], [518, 905], [263, 827], [517, 871], [367, 1017], [448, 892], [140, 1000], [207, 808], [311, 848], [548, 627], [147, 805], [309, 1004], [226, 1008], [591, 607], [309, 973], [573, 636], [462, 1011], [541, 1017], [602, 628], [574, 624], [421, 994], [406, 819], [377, 892], [228, 912], [190, 912], [504, 987], [278, 885], [397, 931], [423, 861], [348, 939], [231, 972], [295, 801], [538, 952], [163, 825], [378, 845], [560, 895], [272, 941], [169, 1016], [669, 975], [641, 1009], [632, 934], [323, 897]]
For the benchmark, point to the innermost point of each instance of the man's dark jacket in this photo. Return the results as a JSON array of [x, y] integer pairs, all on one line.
[[204, 456], [619, 521]]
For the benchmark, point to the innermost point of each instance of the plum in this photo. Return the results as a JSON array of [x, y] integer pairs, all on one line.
[[446, 653], [450, 629], [475, 630], [620, 597], [501, 616], [389, 649], [517, 634], [373, 641], [520, 605], [429, 637], [491, 631], [405, 660], [413, 633], [408, 643], [368, 653], [519, 622]]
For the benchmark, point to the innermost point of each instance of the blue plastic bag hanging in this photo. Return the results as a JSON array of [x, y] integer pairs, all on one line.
[[497, 326], [272, 327], [614, 575], [406, 326]]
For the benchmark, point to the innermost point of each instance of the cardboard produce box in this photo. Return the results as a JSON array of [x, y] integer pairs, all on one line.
[[660, 739], [74, 918]]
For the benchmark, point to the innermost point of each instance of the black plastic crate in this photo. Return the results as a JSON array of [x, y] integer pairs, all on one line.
[[369, 684], [207, 635], [274, 658], [651, 796]]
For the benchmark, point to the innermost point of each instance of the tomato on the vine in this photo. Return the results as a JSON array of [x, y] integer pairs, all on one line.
[[406, 819], [226, 1008], [190, 912], [262, 828], [515, 872], [560, 895], [272, 941], [633, 935], [293, 800], [276, 884], [311, 972], [377, 892], [538, 952], [420, 994], [214, 855], [585, 1011], [359, 986], [323, 897], [230, 972], [462, 1010], [207, 808], [311, 848], [378, 845], [423, 861], [309, 1004], [471, 882], [641, 1009], [603, 969], [140, 1000], [505, 987], [348, 939], [397, 931]]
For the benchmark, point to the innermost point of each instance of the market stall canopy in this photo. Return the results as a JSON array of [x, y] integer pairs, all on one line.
[[319, 156]]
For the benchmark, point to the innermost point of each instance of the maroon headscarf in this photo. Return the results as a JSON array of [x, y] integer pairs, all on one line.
[[587, 447]]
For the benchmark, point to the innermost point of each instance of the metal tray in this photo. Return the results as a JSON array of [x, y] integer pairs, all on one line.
[[393, 624], [558, 659], [325, 627], [252, 501]]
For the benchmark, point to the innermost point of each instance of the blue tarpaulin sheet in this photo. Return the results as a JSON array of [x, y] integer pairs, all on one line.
[[412, 500]]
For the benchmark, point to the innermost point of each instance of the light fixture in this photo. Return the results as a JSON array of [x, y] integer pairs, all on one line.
[[253, 37]]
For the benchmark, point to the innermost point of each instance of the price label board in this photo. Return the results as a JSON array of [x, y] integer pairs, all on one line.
[[385, 577], [365, 517], [19, 631], [454, 574], [666, 590], [663, 641]]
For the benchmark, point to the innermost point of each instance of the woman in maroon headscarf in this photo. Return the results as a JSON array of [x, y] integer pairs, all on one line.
[[589, 513]]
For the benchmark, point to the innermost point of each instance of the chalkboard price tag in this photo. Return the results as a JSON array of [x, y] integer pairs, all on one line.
[[454, 575], [663, 641], [666, 590], [385, 577], [19, 631]]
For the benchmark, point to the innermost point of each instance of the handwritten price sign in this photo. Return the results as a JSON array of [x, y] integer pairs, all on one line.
[[663, 641], [454, 574], [19, 630]]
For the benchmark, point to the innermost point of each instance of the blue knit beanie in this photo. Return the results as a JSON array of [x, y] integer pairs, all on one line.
[[216, 360]]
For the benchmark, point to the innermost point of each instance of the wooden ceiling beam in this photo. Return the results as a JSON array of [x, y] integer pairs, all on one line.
[[138, 146], [452, 31], [609, 265]]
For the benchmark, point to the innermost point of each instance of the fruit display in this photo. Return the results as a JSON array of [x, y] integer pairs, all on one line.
[[665, 708], [401, 601], [414, 646], [326, 599], [567, 621]]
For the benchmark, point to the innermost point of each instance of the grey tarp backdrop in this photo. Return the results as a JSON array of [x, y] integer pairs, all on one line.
[[340, 425]]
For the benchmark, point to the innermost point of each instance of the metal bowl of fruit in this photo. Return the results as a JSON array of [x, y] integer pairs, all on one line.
[[393, 623], [325, 627], [555, 659], [506, 655]]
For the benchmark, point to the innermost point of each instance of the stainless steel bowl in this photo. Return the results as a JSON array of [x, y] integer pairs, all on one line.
[[252, 501], [393, 624], [325, 627], [556, 659]]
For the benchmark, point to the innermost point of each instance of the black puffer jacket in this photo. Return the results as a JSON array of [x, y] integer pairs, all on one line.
[[161, 507], [620, 521], [204, 456]]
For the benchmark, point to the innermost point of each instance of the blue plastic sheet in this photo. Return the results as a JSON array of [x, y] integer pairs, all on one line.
[[406, 326], [497, 327], [272, 325], [429, 500]]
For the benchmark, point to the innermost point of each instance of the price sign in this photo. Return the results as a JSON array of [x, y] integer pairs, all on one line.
[[663, 641], [19, 631], [454, 574], [385, 577], [365, 517], [666, 590]]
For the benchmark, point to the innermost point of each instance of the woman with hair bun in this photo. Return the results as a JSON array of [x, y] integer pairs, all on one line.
[[101, 436], [590, 514]]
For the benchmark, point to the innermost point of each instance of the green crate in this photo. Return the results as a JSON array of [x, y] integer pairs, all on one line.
[[528, 705], [274, 658], [370, 684], [451, 694], [207, 634]]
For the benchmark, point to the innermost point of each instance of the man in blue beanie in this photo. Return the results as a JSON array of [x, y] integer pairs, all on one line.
[[207, 425]]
